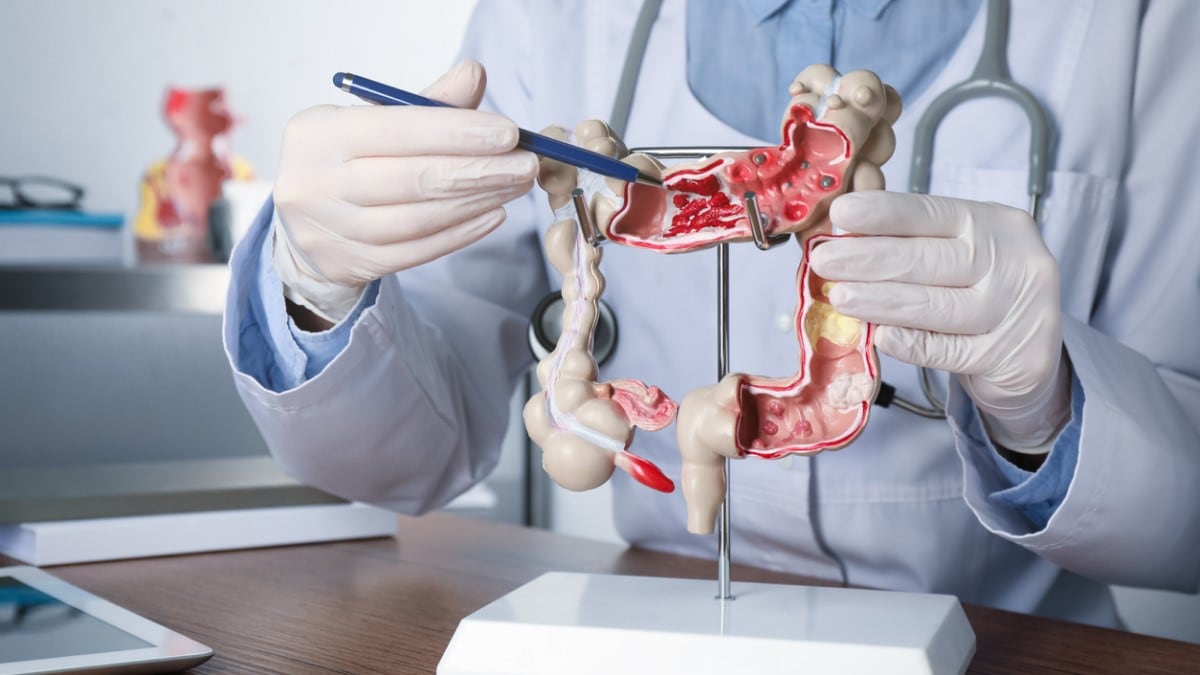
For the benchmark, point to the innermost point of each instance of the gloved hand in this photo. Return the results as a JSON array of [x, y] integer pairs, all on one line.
[[961, 286], [364, 191]]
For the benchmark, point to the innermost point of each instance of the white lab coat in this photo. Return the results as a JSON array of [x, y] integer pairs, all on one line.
[[411, 413]]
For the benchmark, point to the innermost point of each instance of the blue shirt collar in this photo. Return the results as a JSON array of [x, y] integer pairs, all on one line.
[[868, 8], [761, 10]]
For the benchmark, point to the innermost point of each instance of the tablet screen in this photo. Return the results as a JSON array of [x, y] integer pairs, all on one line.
[[34, 625]]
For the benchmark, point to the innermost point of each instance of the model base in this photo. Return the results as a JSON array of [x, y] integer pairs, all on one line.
[[563, 623]]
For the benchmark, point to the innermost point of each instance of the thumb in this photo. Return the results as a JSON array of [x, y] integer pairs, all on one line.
[[462, 86]]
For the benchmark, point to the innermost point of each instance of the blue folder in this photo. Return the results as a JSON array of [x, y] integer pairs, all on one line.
[[62, 218]]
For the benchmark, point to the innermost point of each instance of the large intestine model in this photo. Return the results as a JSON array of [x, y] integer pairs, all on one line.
[[837, 131]]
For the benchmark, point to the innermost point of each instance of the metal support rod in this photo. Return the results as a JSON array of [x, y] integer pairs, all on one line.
[[757, 229], [690, 152], [756, 226], [723, 529], [588, 228], [723, 523]]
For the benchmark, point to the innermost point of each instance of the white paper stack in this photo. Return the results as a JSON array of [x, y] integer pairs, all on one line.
[[73, 541], [86, 540]]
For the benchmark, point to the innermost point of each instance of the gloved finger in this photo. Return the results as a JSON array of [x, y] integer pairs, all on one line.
[[936, 308], [462, 86], [410, 254], [397, 223], [899, 214], [376, 181], [952, 353], [915, 260], [388, 130]]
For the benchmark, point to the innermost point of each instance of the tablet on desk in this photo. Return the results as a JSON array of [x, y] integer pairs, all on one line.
[[50, 626]]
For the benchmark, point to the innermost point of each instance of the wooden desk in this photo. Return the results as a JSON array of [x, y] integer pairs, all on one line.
[[391, 605]]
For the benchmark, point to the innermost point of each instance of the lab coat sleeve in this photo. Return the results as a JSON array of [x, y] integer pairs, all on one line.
[[1131, 514], [410, 413], [278, 354], [1038, 494]]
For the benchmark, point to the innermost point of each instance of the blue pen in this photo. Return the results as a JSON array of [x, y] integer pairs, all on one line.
[[376, 92]]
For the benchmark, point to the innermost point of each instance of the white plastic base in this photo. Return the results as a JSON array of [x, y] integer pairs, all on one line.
[[579, 624]]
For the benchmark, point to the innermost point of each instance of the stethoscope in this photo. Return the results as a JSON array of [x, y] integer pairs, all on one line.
[[991, 78]]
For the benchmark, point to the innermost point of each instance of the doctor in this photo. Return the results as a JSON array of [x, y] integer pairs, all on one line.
[[378, 313]]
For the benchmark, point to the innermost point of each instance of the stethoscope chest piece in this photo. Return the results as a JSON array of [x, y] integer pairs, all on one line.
[[546, 323]]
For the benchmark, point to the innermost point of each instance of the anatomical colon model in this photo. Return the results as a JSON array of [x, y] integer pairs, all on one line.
[[837, 131]]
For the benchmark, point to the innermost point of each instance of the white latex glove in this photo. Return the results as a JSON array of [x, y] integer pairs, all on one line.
[[965, 287], [364, 191]]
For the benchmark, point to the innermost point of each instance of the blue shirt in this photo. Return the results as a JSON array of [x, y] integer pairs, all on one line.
[[743, 54], [906, 42]]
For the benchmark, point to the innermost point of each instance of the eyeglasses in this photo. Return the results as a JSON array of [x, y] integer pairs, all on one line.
[[38, 192]]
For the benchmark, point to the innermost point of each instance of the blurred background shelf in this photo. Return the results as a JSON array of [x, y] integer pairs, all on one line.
[[123, 434]]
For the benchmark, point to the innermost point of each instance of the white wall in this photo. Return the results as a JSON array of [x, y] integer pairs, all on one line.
[[85, 79]]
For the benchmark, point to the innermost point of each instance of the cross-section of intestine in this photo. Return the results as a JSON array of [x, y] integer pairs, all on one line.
[[822, 407], [836, 133], [584, 427]]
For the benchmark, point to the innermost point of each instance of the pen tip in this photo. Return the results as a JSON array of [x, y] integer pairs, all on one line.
[[649, 180], [337, 79]]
